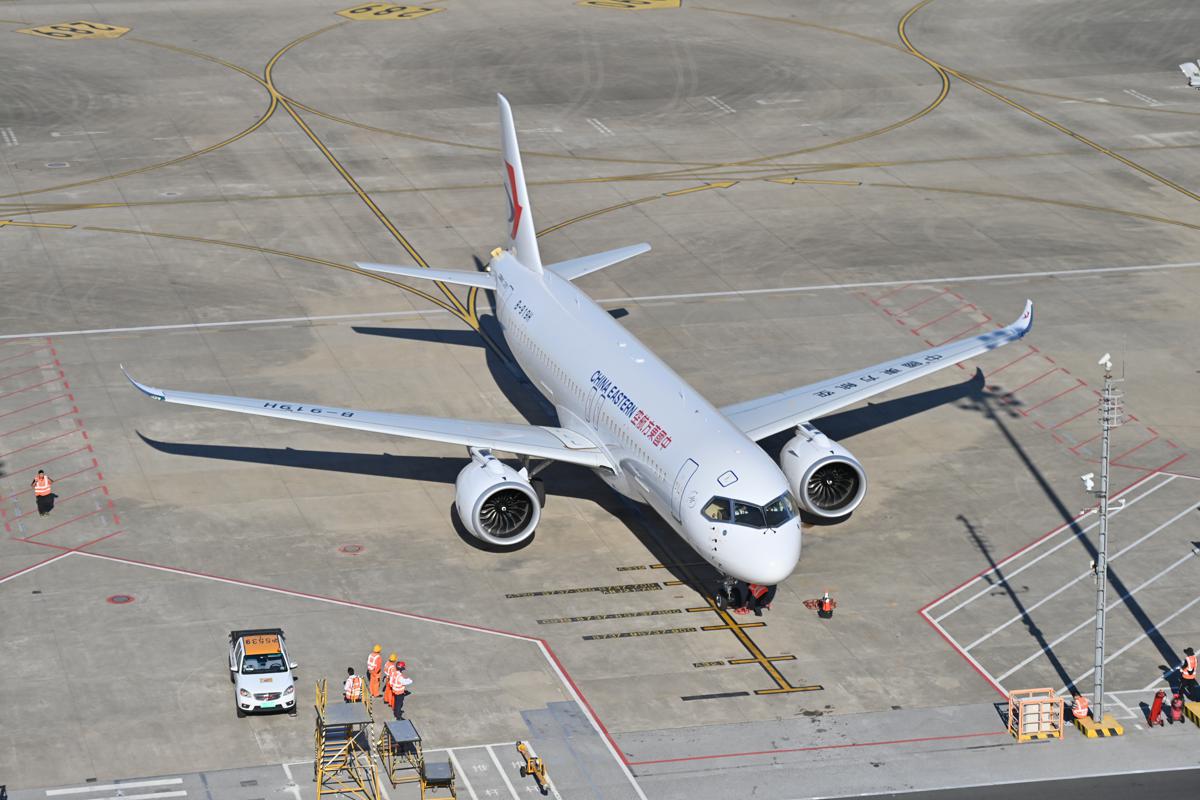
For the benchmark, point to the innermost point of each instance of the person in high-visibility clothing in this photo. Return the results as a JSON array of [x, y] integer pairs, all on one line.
[[399, 684], [389, 669], [374, 668], [352, 689], [43, 493], [1187, 674], [1079, 709], [760, 597]]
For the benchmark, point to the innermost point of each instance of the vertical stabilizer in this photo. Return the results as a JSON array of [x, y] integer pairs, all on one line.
[[522, 239]]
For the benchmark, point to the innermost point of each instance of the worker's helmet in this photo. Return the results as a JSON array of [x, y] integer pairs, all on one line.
[[400, 665], [392, 657], [377, 649], [1189, 651]]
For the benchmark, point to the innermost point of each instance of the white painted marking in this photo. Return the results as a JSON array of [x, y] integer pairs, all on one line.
[[721, 104], [29, 569], [778, 102], [292, 787], [555, 129], [10, 137], [1143, 635], [1086, 574], [503, 774], [600, 126], [460, 775], [626, 299], [149, 796], [57, 134], [1092, 618], [107, 786], [1150, 101], [1057, 547]]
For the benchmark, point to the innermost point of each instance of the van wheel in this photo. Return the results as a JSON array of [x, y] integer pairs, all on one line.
[[239, 711]]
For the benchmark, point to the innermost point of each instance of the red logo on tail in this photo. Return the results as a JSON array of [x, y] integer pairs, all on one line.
[[516, 209]]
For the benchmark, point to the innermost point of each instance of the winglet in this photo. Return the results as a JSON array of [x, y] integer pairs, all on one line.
[[522, 238], [149, 391], [1024, 323]]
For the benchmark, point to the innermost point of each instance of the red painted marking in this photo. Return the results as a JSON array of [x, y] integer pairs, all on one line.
[[1031, 351], [39, 444], [1162, 468], [891, 292], [78, 549], [116, 519], [516, 203], [1027, 411], [1134, 449], [942, 317], [1039, 425], [819, 747], [1075, 449], [58, 502], [964, 330], [1152, 430], [1032, 382], [83, 433], [23, 371], [923, 302], [33, 405], [1072, 419], [35, 424], [25, 353], [59, 479], [34, 386], [48, 460], [12, 575], [31, 537]]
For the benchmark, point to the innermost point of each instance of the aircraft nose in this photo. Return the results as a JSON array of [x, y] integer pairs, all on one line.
[[768, 559]]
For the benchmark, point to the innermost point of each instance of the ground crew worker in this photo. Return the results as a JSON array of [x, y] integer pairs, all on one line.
[[760, 598], [389, 669], [41, 490], [398, 684], [353, 687], [1187, 674], [1079, 709], [374, 668]]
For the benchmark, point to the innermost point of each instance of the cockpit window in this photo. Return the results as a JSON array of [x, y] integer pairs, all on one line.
[[748, 514], [717, 509], [780, 510], [774, 514]]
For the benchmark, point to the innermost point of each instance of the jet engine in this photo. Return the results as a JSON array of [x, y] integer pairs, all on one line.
[[825, 478], [495, 502]]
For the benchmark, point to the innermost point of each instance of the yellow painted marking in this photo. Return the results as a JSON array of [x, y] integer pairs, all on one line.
[[672, 583], [689, 190], [737, 626], [739, 661], [16, 224], [631, 5], [77, 30], [816, 687], [372, 12], [634, 634], [814, 181]]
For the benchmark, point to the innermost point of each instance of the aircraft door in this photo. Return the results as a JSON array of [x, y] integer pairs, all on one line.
[[681, 481], [590, 406]]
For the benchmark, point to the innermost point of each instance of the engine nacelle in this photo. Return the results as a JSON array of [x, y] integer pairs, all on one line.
[[495, 502], [825, 478]]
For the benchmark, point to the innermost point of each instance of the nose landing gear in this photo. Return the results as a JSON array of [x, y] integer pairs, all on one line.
[[741, 597]]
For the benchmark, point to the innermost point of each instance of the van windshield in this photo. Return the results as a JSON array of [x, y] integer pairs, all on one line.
[[262, 664]]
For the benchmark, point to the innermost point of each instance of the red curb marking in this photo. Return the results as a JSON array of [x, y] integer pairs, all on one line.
[[960, 333], [26, 352], [42, 442], [39, 422], [923, 302], [31, 537], [943, 316], [23, 371], [63, 500], [1026, 412], [1072, 419], [1031, 383], [1032, 350], [34, 386], [1131, 450], [818, 747], [38, 403]]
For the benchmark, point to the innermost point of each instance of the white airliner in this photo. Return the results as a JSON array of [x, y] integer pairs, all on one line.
[[628, 416]]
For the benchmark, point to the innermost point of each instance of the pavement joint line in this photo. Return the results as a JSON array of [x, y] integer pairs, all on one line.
[[543, 646], [1149, 581], [616, 300], [1046, 537], [1191, 507]]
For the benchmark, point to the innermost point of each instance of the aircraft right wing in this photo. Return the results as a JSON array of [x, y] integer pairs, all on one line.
[[768, 415], [555, 444]]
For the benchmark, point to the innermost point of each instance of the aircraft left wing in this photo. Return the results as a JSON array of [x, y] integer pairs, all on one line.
[[555, 444], [765, 416]]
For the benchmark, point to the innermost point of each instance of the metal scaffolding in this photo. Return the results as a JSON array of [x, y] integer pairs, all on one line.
[[343, 766]]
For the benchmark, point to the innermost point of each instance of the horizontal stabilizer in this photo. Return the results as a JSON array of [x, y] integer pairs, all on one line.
[[483, 280], [577, 267]]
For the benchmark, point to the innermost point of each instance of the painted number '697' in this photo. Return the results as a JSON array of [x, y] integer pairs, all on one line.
[[523, 311]]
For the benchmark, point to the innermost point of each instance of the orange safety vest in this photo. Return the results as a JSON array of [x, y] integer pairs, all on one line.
[[757, 590], [396, 683], [389, 669], [353, 688], [41, 485], [1188, 670], [374, 661], [1080, 709]]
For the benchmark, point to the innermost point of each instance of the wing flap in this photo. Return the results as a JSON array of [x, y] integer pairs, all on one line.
[[768, 415], [556, 444]]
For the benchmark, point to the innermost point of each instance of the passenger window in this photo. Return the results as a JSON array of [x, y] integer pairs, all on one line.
[[717, 509]]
